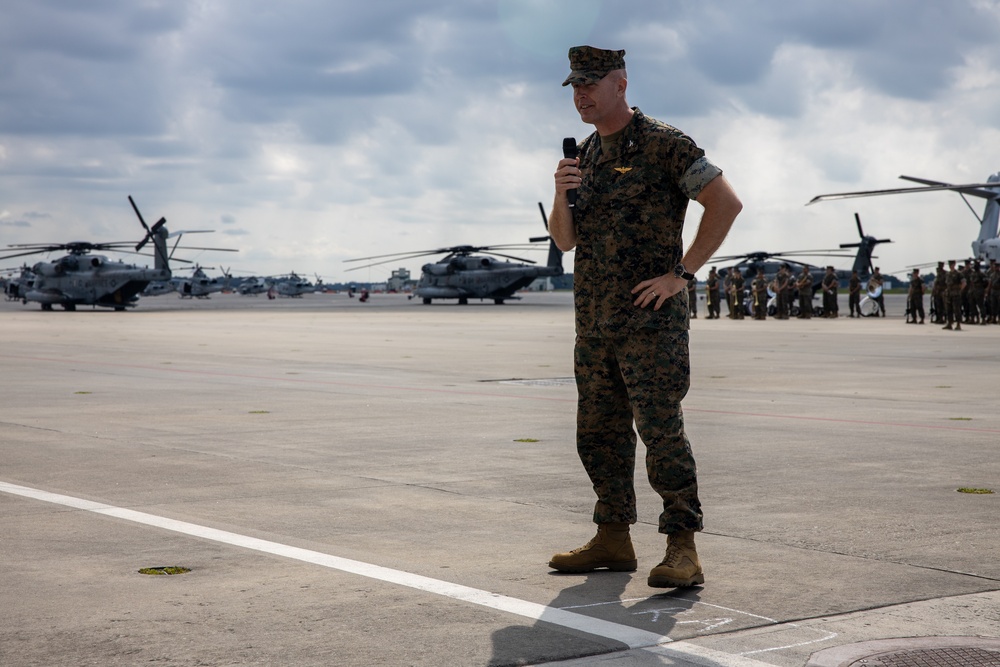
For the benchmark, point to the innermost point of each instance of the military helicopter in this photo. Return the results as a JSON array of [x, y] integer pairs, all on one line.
[[463, 274], [14, 286], [82, 278], [986, 246], [251, 286], [290, 285]]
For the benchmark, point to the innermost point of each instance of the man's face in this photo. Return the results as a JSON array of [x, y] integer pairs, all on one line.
[[596, 101]]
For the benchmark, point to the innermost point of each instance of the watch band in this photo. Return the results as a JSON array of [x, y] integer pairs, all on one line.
[[682, 272]]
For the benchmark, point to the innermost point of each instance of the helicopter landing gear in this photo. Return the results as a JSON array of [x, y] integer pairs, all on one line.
[[498, 302], [463, 302], [46, 306], [69, 306], [427, 301]]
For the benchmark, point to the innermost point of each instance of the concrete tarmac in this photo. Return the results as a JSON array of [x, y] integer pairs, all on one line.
[[383, 484]]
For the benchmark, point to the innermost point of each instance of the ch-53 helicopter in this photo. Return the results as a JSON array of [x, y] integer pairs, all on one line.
[[750, 263], [84, 279], [986, 246], [475, 272]]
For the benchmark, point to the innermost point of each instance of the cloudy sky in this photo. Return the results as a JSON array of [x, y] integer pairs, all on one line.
[[307, 132]]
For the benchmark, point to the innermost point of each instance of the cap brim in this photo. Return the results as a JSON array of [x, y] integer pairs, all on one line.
[[584, 77]]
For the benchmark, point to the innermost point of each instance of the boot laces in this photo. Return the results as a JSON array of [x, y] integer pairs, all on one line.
[[586, 546], [673, 556]]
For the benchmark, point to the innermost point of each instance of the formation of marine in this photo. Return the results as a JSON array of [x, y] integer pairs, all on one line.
[[962, 295], [966, 294]]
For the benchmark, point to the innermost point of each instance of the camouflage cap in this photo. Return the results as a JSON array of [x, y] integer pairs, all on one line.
[[590, 65]]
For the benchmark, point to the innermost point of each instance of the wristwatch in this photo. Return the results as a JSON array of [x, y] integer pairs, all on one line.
[[681, 272]]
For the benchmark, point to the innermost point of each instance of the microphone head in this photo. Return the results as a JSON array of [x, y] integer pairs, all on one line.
[[569, 147]]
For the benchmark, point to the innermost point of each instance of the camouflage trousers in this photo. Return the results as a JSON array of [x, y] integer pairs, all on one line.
[[638, 378]]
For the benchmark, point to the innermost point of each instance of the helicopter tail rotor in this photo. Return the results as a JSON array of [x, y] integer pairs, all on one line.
[[863, 261]]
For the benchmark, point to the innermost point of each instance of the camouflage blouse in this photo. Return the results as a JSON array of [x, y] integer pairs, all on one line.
[[629, 219]]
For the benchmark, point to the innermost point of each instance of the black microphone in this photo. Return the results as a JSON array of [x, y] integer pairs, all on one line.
[[570, 150]]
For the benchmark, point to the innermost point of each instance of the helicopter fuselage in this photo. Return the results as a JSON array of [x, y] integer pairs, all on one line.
[[88, 280], [475, 277]]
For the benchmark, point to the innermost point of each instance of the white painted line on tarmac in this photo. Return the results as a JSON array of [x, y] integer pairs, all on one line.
[[631, 637]]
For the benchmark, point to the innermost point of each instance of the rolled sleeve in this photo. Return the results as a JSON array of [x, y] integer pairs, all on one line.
[[698, 175]]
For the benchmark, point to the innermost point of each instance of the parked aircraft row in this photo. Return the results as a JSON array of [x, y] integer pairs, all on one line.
[[464, 272]]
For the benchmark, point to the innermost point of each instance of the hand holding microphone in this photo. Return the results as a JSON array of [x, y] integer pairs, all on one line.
[[571, 152]]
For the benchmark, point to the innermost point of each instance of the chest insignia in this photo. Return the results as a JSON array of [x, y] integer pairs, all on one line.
[[623, 170]]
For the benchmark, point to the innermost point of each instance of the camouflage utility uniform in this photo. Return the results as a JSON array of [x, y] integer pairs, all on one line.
[[805, 284], [993, 293], [854, 295], [737, 289], [938, 309], [915, 300], [760, 297], [692, 290], [631, 362], [953, 298], [712, 295]]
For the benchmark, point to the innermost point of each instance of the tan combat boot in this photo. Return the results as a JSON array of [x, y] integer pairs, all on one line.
[[680, 566], [610, 548]]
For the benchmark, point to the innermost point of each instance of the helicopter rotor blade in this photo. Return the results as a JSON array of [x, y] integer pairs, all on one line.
[[191, 247], [413, 253], [498, 254]]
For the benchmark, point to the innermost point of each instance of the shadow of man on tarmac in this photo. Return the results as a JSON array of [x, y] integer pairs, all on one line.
[[599, 595]]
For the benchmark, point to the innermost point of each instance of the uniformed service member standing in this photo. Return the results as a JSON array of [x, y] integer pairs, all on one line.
[[737, 287], [633, 180], [830, 285], [805, 285], [993, 292], [875, 284], [712, 294], [784, 280], [938, 308], [953, 297], [915, 299], [854, 294], [759, 286]]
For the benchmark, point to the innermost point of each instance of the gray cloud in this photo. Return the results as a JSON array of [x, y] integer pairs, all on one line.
[[357, 123]]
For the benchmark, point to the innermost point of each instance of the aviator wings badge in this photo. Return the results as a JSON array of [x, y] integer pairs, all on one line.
[[623, 170]]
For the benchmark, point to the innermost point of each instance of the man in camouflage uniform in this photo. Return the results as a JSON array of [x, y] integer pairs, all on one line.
[[875, 285], [953, 297], [915, 299], [966, 303], [977, 294], [805, 285], [993, 292], [712, 294], [938, 308], [633, 179], [759, 286], [727, 288], [783, 289], [830, 285], [854, 294], [736, 293]]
